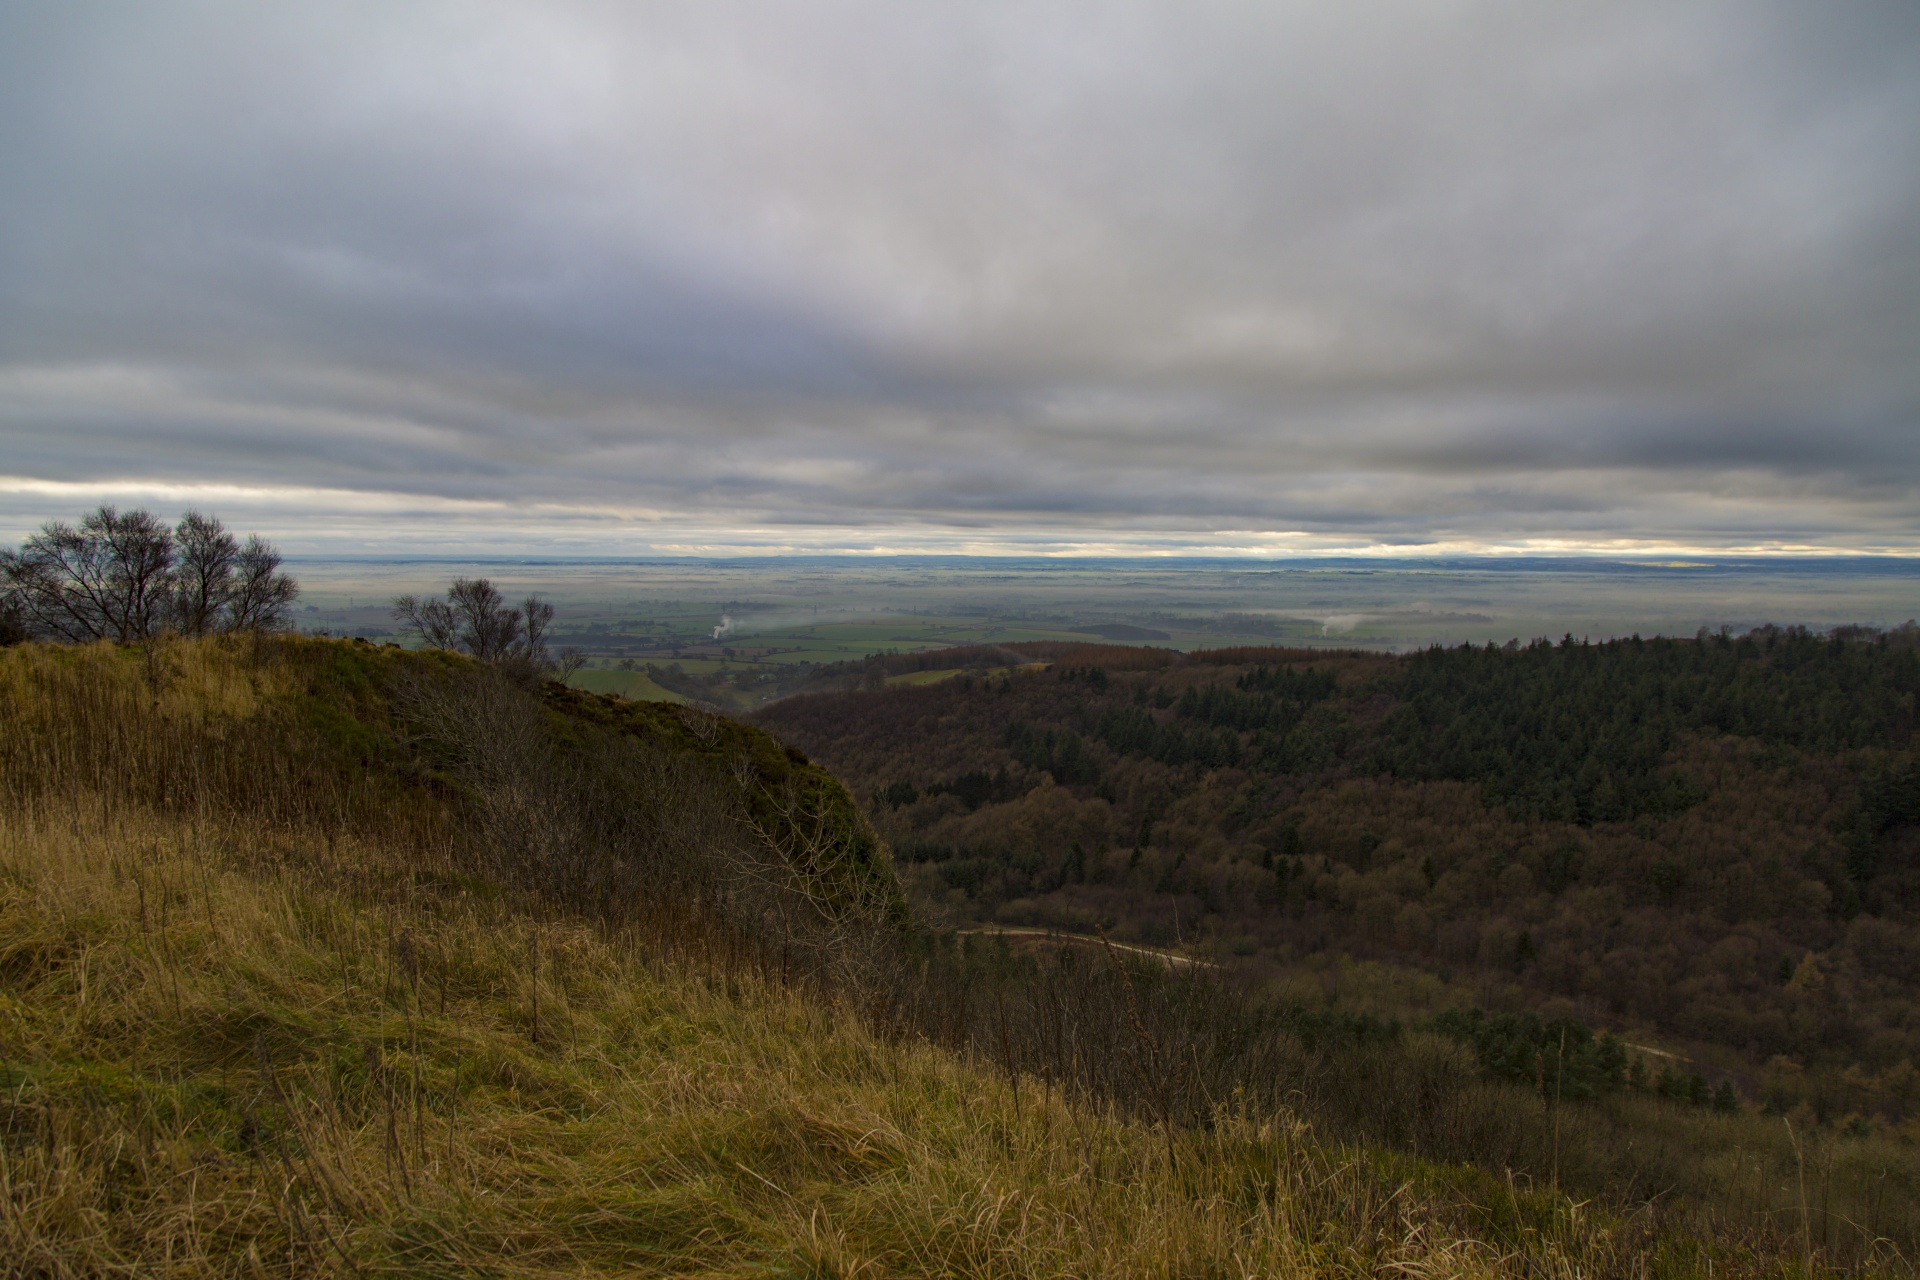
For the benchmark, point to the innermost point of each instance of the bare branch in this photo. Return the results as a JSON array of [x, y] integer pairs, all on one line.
[[259, 596], [431, 619], [572, 658], [109, 579], [203, 576]]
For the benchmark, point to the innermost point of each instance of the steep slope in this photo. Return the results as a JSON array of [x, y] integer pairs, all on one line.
[[217, 1067]]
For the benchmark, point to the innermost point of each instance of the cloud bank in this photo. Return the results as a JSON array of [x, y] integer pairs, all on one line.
[[1223, 277]]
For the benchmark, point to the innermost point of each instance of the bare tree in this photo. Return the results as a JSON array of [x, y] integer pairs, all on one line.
[[260, 597], [432, 619], [538, 615], [220, 584], [109, 579], [476, 619], [127, 577], [203, 572], [489, 629]]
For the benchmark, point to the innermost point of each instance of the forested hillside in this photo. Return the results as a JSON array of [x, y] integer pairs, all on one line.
[[1713, 841]]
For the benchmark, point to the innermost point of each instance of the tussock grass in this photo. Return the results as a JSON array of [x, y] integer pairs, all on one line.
[[216, 1061], [257, 1017]]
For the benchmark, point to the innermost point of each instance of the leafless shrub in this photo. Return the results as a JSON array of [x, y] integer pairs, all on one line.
[[609, 823], [701, 723]]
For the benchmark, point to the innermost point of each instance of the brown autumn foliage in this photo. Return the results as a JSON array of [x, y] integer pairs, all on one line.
[[1740, 924]]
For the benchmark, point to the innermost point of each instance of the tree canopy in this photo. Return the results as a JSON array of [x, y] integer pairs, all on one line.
[[128, 576]]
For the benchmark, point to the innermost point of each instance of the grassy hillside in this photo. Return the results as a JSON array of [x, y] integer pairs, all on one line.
[[213, 1067], [320, 958]]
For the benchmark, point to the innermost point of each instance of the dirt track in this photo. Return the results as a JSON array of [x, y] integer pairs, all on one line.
[[1173, 958]]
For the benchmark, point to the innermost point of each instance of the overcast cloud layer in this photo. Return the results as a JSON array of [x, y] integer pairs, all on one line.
[[968, 276]]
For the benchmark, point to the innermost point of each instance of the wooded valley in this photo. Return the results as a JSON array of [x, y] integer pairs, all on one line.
[[1710, 844]]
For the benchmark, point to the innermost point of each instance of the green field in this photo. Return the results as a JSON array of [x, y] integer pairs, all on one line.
[[924, 677], [628, 684]]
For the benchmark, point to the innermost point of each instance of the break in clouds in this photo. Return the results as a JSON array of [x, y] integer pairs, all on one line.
[[967, 276]]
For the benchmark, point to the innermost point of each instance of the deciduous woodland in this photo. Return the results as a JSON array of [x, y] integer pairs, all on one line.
[[1712, 844]]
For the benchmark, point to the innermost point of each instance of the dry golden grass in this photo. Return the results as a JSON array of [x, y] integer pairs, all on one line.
[[216, 1063]]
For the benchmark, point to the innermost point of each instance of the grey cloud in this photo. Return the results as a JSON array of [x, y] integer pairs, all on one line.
[[1467, 272]]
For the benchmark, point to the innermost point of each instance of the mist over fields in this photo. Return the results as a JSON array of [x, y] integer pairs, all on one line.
[[923, 602]]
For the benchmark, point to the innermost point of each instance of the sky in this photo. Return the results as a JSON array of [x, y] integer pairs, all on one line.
[[1259, 278]]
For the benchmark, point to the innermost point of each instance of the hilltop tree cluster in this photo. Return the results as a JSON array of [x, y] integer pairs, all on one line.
[[475, 619], [128, 576]]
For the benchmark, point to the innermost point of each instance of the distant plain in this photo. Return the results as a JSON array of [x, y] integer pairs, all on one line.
[[708, 616], [832, 607]]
